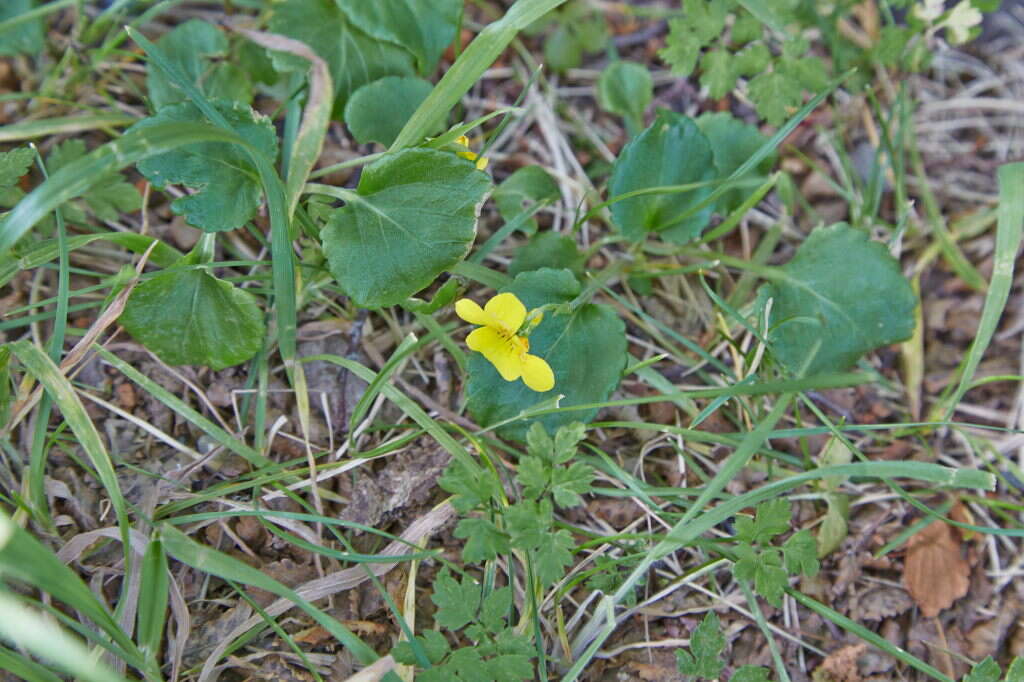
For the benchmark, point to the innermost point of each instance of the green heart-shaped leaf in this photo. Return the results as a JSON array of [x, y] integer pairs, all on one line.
[[354, 57], [227, 183], [840, 297], [192, 47], [424, 27], [625, 89], [189, 317], [521, 190], [413, 217], [25, 38], [548, 250], [378, 111], [586, 350], [732, 143], [672, 151]]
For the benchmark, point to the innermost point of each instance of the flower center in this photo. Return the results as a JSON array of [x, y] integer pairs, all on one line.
[[519, 345]]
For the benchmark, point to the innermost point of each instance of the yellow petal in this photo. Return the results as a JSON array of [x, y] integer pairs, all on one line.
[[501, 352], [471, 312], [481, 163], [485, 340], [508, 310], [537, 374], [508, 364], [462, 141]]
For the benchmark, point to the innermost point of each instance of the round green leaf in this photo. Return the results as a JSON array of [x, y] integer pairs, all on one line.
[[562, 51], [189, 317], [192, 48], [732, 143], [586, 350], [840, 297], [25, 38], [672, 151], [354, 57], [548, 250], [378, 110], [413, 217], [228, 81], [625, 89], [521, 190], [227, 184], [833, 529], [424, 27]]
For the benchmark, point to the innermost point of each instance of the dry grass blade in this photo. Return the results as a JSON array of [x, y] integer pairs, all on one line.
[[375, 672], [109, 316], [310, 139], [236, 471], [417, 532]]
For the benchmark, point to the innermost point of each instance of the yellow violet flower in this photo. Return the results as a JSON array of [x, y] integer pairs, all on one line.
[[481, 161], [498, 339]]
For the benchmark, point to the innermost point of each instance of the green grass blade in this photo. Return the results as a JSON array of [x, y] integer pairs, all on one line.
[[25, 669], [28, 628], [747, 387], [60, 322], [282, 257], [734, 218], [179, 407], [606, 607], [952, 253], [279, 631], [63, 125], [866, 635], [468, 68], [483, 275], [751, 444], [41, 253], [63, 396], [37, 457], [762, 624], [919, 471], [688, 529], [1009, 230], [209, 560], [24, 558], [407, 405], [76, 178], [154, 588], [763, 151], [315, 119], [405, 348], [35, 13]]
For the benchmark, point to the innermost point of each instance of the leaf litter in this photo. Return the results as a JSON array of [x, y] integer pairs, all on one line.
[[935, 566]]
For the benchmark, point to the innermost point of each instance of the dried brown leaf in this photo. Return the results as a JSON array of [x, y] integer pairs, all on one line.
[[882, 602], [648, 671], [935, 571], [314, 636], [841, 665], [985, 638]]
